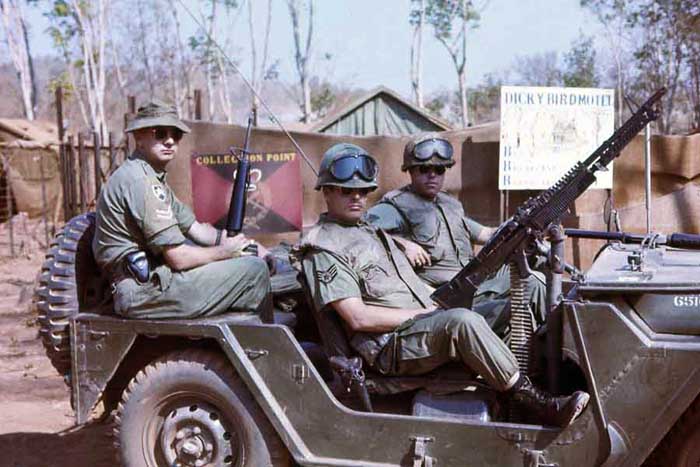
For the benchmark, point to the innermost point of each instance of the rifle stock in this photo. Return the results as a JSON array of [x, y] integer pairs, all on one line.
[[532, 218]]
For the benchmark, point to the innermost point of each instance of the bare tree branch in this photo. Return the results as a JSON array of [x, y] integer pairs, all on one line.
[[18, 44]]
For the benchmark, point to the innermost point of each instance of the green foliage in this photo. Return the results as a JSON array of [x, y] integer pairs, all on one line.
[[442, 15], [579, 65], [445, 105], [322, 99], [664, 52], [203, 49], [61, 80], [436, 105], [485, 99], [541, 69], [63, 27]]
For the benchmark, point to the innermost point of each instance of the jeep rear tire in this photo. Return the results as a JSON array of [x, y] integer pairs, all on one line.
[[57, 297], [189, 408]]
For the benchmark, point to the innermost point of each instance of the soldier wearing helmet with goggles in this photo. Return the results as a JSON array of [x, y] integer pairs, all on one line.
[[357, 271], [437, 236]]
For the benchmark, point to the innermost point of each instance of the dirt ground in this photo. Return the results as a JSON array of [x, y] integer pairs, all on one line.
[[36, 419]]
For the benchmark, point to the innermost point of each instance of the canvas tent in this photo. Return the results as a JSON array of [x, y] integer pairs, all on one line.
[[29, 155], [379, 112]]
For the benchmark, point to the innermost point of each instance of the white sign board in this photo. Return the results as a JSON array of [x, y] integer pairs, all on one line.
[[545, 131]]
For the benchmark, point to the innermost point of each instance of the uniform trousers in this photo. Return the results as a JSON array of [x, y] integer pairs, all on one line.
[[237, 284], [428, 341]]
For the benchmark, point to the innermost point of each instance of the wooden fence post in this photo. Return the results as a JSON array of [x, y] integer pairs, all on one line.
[[197, 104], [44, 204], [72, 177], [82, 164], [62, 159], [112, 153], [97, 146]]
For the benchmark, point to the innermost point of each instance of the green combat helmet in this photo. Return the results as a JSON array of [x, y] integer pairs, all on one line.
[[428, 149], [347, 165]]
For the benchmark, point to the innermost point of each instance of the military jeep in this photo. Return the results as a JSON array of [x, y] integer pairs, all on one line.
[[233, 390]]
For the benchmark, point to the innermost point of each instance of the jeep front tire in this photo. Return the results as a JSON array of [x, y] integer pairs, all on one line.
[[189, 408]]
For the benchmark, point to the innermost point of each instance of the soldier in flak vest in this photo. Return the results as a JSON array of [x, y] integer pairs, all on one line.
[[356, 270], [432, 229], [141, 231]]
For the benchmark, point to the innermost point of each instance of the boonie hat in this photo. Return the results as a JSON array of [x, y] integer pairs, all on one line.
[[156, 113]]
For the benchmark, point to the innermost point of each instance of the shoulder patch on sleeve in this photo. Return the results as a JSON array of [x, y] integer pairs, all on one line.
[[327, 276], [159, 192]]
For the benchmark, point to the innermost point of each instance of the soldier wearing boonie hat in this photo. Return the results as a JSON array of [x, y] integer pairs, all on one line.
[[437, 236], [356, 271], [141, 233]]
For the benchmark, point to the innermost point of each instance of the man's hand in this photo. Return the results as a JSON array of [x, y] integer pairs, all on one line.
[[183, 257], [415, 253], [235, 245]]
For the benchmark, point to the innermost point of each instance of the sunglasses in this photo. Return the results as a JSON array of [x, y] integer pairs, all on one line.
[[162, 133], [344, 168], [351, 191], [441, 148], [437, 169]]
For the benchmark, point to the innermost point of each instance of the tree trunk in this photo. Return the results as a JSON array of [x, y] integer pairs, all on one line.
[[253, 60], [302, 54], [306, 93], [417, 56], [209, 65], [92, 34], [18, 44], [462, 78], [31, 85], [184, 69]]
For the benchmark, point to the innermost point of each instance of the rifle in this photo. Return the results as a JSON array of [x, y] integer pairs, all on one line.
[[236, 208], [514, 237]]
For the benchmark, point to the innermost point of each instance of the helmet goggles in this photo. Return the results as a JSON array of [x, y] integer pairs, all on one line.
[[425, 150], [344, 168]]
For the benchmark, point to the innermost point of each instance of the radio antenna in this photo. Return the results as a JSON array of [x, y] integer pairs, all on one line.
[[250, 86]]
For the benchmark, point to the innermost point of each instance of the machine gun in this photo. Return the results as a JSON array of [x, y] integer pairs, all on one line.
[[513, 237]]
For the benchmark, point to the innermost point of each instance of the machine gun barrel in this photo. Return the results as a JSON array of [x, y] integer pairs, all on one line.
[[675, 240], [236, 208], [534, 216]]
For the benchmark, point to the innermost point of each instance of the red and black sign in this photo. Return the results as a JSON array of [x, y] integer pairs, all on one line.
[[274, 194]]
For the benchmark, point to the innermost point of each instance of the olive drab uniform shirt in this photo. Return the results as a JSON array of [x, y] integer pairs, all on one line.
[[137, 211], [440, 227], [446, 233], [358, 260]]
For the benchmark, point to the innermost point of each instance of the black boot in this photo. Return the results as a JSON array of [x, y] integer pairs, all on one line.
[[551, 410]]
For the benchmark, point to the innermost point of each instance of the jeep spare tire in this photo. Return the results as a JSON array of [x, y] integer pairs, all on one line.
[[58, 296]]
